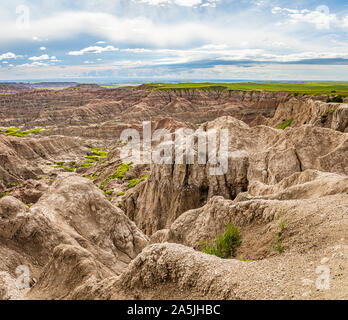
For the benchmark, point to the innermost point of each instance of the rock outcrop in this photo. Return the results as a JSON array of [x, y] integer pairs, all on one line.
[[256, 154], [75, 215]]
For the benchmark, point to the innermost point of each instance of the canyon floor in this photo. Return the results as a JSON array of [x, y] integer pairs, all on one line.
[[86, 225]]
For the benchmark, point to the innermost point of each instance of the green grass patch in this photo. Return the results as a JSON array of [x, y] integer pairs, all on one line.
[[325, 115], [244, 259], [109, 193], [67, 169], [94, 157], [279, 235], [119, 174], [3, 194], [225, 245], [285, 124], [297, 88], [99, 153], [132, 183], [18, 132], [337, 99]]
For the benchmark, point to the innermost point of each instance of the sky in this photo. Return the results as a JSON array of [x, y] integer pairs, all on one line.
[[174, 39]]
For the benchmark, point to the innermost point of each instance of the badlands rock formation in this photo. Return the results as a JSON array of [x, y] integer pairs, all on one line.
[[257, 155], [87, 226]]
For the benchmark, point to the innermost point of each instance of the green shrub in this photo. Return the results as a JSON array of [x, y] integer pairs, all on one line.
[[120, 194], [108, 193], [325, 115], [337, 99], [3, 194], [244, 259], [17, 131], [86, 165], [279, 234], [285, 124], [119, 174], [92, 158], [99, 153], [279, 246], [225, 245], [132, 183], [60, 165]]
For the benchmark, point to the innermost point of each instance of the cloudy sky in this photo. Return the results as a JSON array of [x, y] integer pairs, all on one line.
[[174, 39]]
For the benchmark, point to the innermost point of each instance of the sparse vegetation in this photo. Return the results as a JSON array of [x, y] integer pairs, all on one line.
[[99, 153], [60, 165], [18, 132], [285, 124], [337, 99], [132, 183], [3, 194], [119, 174], [325, 115], [109, 193], [279, 235], [225, 245], [244, 259], [93, 158]]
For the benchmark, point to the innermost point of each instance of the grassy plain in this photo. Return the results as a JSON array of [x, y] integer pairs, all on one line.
[[308, 88]]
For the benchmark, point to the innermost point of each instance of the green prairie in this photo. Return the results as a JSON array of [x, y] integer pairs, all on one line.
[[307, 88]]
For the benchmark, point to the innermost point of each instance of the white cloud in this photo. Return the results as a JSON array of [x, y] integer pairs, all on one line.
[[33, 65], [182, 3], [94, 49], [345, 21], [100, 42], [321, 17], [144, 32], [186, 3], [43, 48], [136, 50], [43, 57], [8, 55]]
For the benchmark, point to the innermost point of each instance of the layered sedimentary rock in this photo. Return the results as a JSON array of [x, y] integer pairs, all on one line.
[[256, 154], [309, 111], [20, 158], [286, 191], [72, 213]]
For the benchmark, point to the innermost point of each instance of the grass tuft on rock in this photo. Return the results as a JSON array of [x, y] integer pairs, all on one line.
[[225, 245]]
